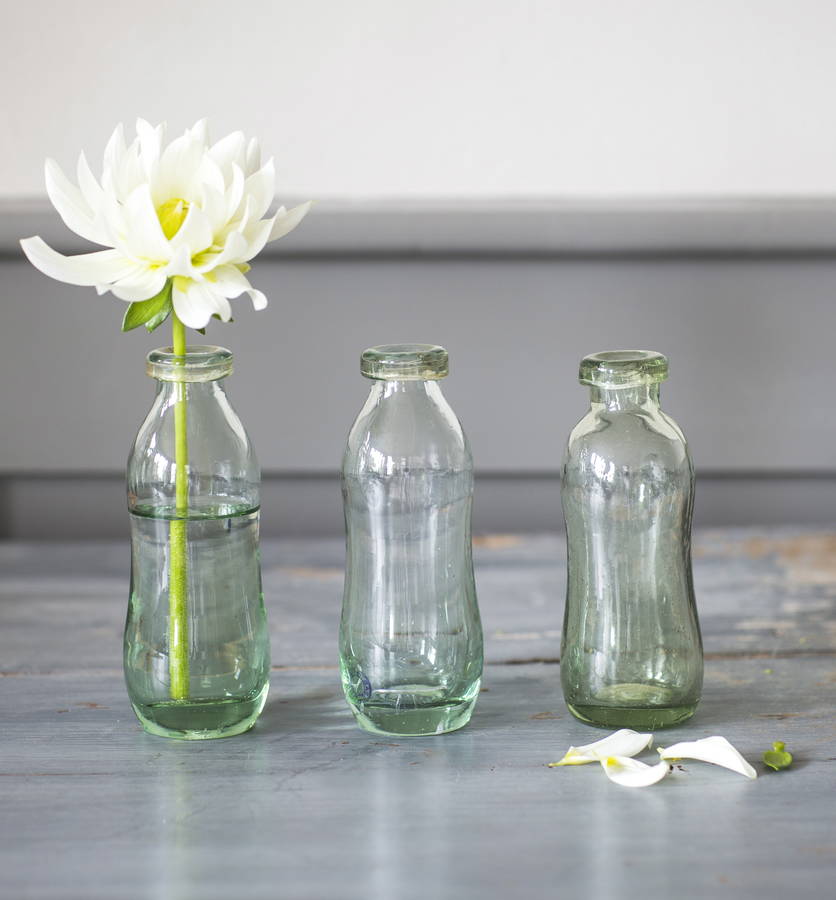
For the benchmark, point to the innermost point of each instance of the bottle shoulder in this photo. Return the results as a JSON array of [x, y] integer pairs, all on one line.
[[628, 439], [406, 431], [216, 440]]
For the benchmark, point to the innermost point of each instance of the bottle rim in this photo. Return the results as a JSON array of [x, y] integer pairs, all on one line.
[[623, 368], [200, 363], [405, 362]]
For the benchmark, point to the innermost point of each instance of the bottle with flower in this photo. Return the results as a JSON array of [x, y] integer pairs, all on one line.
[[181, 222]]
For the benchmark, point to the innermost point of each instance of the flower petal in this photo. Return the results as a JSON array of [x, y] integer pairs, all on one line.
[[70, 203], [229, 151], [232, 282], [260, 186], [715, 750], [286, 220], [624, 742], [144, 234], [234, 193], [253, 156], [195, 232], [258, 298], [88, 269], [229, 280], [141, 284], [115, 149], [91, 190], [256, 236], [150, 142], [195, 303], [234, 251], [631, 772]]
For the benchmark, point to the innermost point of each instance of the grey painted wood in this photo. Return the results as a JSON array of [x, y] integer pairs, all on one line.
[[746, 364], [62, 606], [50, 506], [308, 806], [516, 226]]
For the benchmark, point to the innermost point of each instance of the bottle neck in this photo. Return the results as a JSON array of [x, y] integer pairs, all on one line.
[[622, 398], [191, 389], [414, 387]]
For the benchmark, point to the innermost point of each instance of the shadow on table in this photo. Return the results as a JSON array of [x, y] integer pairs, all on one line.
[[308, 709]]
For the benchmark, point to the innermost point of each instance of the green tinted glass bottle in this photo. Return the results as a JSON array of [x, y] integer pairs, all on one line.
[[410, 637], [631, 652], [196, 651]]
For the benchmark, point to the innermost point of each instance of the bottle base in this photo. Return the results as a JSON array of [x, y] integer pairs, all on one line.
[[636, 717], [418, 722], [201, 720]]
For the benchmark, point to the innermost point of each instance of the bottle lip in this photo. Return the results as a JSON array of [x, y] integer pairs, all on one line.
[[623, 368], [405, 362], [200, 363]]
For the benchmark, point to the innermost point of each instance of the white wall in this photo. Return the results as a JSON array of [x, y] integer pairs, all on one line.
[[383, 98]]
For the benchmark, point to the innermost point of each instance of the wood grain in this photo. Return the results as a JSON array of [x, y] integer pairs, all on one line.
[[308, 806]]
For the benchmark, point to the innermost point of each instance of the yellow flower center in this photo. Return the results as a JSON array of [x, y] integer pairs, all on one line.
[[172, 214]]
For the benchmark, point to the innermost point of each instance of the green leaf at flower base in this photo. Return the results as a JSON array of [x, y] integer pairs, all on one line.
[[777, 758], [151, 312]]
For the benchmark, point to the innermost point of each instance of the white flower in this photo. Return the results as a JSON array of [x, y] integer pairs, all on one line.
[[187, 211], [621, 743], [715, 750], [632, 773]]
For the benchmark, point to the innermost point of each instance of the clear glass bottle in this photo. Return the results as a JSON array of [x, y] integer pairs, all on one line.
[[631, 652], [410, 637], [197, 651]]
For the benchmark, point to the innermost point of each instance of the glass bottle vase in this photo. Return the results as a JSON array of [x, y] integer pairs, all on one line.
[[410, 636], [196, 649], [631, 652]]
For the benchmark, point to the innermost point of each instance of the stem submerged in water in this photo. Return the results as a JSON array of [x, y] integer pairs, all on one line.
[[178, 578]]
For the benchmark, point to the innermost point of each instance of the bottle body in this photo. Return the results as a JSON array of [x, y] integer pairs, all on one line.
[[410, 633], [631, 652], [196, 648]]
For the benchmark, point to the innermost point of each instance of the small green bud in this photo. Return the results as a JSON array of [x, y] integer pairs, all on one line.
[[777, 758]]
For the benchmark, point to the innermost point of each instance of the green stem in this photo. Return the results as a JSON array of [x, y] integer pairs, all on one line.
[[178, 574]]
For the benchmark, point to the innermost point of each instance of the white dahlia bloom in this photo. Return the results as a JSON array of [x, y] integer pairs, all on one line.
[[184, 218]]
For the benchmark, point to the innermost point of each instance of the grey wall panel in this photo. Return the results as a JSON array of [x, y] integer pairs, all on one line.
[[76, 507], [750, 339]]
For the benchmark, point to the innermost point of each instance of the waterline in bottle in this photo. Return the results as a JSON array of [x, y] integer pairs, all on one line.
[[229, 657]]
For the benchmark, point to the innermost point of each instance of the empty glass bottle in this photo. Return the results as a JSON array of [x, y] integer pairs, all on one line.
[[631, 652], [410, 637], [197, 652]]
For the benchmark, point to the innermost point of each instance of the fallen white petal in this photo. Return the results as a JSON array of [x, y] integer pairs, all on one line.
[[631, 772], [716, 750], [624, 742]]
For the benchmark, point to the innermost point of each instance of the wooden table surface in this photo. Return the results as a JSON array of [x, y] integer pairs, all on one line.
[[308, 806]]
